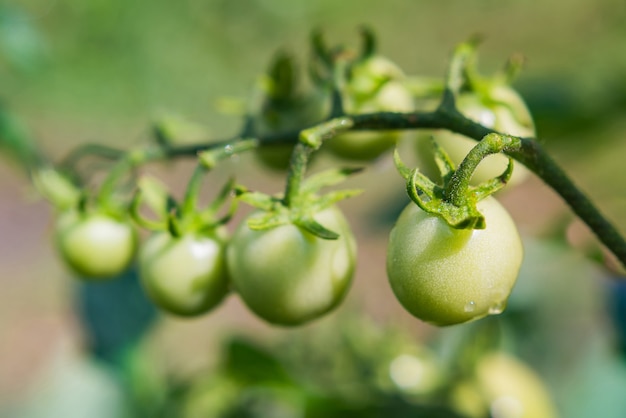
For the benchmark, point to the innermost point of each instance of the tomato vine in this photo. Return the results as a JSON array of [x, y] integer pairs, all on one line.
[[349, 86]]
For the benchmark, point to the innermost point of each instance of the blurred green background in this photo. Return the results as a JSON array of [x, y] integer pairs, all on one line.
[[73, 72]]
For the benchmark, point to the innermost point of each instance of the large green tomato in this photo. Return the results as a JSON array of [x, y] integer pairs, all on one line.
[[184, 275], [506, 113], [374, 86], [448, 276], [288, 276], [95, 245]]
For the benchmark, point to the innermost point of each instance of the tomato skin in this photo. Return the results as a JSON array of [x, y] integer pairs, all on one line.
[[95, 245], [288, 276], [184, 275], [448, 276], [510, 117]]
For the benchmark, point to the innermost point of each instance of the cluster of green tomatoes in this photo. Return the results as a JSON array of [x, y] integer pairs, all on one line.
[[293, 259]]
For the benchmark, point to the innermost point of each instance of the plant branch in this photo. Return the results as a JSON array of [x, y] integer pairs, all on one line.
[[530, 153]]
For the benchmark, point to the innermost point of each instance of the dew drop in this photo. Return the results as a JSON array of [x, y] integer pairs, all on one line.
[[497, 308], [470, 306], [228, 149]]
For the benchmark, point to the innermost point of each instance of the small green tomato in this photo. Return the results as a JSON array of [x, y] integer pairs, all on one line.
[[95, 245], [184, 275], [374, 86], [448, 276], [288, 276], [503, 386]]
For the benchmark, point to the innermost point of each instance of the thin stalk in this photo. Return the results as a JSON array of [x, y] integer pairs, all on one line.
[[190, 201], [456, 190], [297, 167]]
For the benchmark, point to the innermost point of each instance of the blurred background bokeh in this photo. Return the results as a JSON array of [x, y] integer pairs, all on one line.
[[75, 72]]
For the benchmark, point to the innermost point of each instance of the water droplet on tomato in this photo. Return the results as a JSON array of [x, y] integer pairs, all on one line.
[[470, 306], [497, 308]]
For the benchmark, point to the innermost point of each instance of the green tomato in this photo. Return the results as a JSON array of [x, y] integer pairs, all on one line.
[[503, 386], [288, 276], [367, 145], [506, 113], [95, 245], [304, 113], [373, 85], [184, 275], [448, 276], [275, 157]]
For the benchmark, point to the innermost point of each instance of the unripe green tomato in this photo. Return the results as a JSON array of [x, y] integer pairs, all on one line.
[[503, 387], [413, 370], [447, 276], [367, 145], [304, 114], [374, 85], [275, 157], [366, 75], [288, 276], [184, 275], [95, 245], [509, 116]]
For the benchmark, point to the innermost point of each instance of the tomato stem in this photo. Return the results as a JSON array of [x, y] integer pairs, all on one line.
[[457, 191], [310, 140], [190, 200]]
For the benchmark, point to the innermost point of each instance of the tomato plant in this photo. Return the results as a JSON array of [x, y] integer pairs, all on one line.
[[445, 275], [288, 276], [95, 245], [453, 256]]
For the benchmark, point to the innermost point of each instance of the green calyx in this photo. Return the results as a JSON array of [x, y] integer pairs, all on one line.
[[185, 217], [303, 206], [455, 201], [66, 196], [57, 188]]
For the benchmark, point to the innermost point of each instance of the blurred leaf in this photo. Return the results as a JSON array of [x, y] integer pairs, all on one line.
[[115, 314], [14, 139], [251, 364]]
